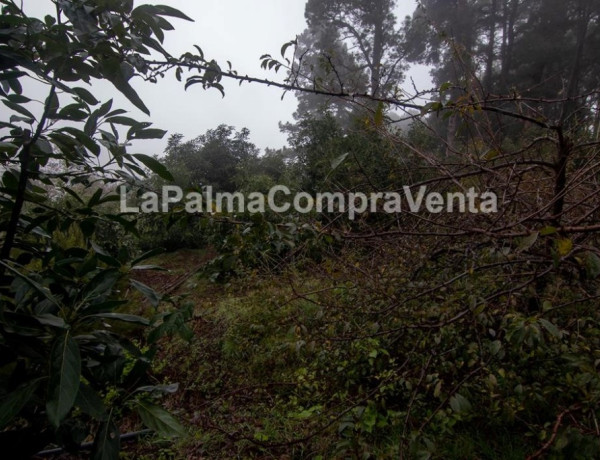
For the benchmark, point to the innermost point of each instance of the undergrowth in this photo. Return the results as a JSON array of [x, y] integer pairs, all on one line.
[[355, 358]]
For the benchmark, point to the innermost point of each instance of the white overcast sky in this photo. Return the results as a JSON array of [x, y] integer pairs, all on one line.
[[236, 30]]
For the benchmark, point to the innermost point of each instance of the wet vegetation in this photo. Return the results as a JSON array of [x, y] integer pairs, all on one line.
[[214, 334]]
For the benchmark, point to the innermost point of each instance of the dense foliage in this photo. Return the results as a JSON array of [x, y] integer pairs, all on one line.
[[67, 368], [308, 335]]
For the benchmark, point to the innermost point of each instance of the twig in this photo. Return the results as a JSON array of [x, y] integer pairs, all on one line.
[[557, 424]]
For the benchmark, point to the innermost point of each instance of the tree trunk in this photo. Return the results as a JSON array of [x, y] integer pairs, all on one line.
[[451, 135], [377, 50], [26, 164], [583, 19], [489, 68], [511, 11], [569, 109]]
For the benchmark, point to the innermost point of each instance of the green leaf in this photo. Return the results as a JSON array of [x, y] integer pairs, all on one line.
[[9, 180], [12, 74], [104, 307], [91, 125], [460, 404], [95, 198], [8, 147], [495, 347], [159, 420], [149, 134], [527, 242], [119, 77], [84, 139], [104, 108], [86, 96], [109, 199], [147, 255], [98, 249], [101, 285], [592, 265], [65, 372], [73, 195], [107, 443], [52, 103], [548, 231], [437, 391], [431, 107], [261, 437], [148, 292], [174, 324], [564, 246], [90, 402], [19, 109], [155, 166], [45, 292], [44, 146], [122, 317], [48, 319], [12, 403], [490, 154], [18, 99], [285, 47], [165, 10], [120, 120], [157, 268], [551, 328], [72, 112], [339, 160], [160, 389], [116, 112], [445, 87], [379, 115], [109, 260]]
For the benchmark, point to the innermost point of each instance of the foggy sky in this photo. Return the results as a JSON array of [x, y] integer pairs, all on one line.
[[236, 30]]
